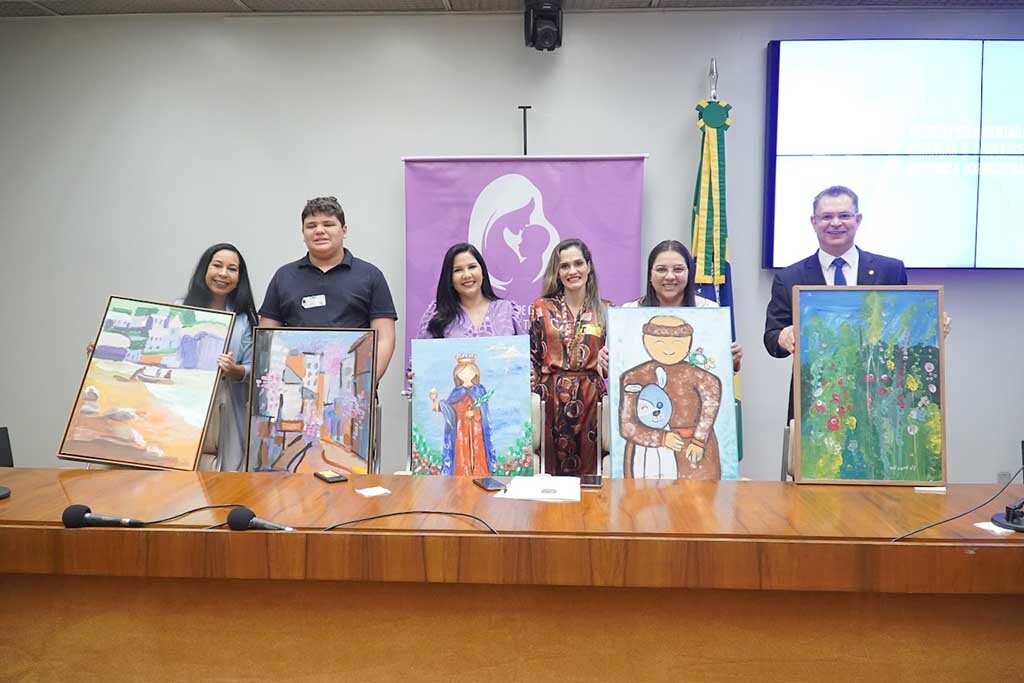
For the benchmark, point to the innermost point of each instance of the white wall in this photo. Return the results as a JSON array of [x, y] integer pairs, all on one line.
[[128, 145]]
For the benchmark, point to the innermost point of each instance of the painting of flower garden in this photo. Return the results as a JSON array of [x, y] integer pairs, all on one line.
[[868, 385]]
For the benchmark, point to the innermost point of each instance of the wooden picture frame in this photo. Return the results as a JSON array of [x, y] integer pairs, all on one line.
[[148, 389], [869, 386], [317, 386]]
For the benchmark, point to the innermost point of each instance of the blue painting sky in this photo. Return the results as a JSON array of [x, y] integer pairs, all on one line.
[[844, 306], [504, 364]]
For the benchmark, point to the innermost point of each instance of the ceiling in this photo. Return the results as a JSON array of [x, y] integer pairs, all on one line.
[[54, 8]]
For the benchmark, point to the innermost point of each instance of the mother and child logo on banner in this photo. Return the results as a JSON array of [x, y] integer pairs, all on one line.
[[514, 210], [467, 417]]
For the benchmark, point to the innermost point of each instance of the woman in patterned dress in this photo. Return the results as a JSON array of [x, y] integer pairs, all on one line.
[[567, 332]]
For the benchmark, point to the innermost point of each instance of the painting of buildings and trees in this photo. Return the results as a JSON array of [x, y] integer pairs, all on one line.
[[149, 385], [312, 401]]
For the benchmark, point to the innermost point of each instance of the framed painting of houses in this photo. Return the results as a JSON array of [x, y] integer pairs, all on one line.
[[471, 408], [868, 385], [149, 386], [311, 404], [670, 394]]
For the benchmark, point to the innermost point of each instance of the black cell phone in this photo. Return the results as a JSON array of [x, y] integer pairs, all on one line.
[[590, 481], [489, 484], [330, 476]]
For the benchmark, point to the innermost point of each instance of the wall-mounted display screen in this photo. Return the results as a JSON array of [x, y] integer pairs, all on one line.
[[929, 133]]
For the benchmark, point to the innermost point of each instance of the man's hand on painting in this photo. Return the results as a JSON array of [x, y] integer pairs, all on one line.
[[786, 340]]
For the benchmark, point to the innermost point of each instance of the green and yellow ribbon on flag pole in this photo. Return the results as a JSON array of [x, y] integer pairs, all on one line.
[[710, 230], [710, 233]]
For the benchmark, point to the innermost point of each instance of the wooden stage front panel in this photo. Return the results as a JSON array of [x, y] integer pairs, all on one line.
[[640, 581]]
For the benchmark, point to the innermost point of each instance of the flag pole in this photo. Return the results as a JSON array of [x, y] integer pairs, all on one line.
[[709, 237]]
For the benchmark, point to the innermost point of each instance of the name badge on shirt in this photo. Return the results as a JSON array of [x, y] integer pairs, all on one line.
[[317, 301], [593, 329]]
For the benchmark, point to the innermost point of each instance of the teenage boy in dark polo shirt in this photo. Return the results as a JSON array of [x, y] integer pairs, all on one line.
[[329, 287]]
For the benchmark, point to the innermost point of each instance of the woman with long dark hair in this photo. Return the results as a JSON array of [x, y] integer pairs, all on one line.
[[466, 305], [668, 277], [221, 282], [669, 284], [567, 332]]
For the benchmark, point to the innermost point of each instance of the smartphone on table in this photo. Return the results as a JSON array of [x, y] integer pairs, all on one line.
[[330, 476], [489, 484]]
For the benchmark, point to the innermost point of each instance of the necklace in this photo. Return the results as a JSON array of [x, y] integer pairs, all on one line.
[[569, 327]]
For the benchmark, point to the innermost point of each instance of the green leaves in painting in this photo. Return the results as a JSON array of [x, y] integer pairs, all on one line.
[[870, 398]]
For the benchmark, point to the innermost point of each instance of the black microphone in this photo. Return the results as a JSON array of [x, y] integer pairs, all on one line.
[[77, 516], [242, 518]]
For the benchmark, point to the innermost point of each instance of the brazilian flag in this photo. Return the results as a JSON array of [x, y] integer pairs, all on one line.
[[710, 238]]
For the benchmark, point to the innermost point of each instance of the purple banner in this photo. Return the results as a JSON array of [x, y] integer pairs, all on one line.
[[515, 210]]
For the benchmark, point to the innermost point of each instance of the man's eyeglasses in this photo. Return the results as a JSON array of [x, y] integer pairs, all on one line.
[[829, 217]]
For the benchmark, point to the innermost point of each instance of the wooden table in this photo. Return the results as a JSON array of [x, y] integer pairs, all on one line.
[[642, 580]]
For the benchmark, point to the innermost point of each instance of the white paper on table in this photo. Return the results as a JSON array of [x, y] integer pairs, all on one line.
[[992, 528], [543, 488], [373, 491]]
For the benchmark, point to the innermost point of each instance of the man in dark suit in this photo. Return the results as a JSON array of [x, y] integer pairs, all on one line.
[[837, 262]]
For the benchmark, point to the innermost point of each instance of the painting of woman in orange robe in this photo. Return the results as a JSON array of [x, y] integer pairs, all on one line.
[[467, 434]]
